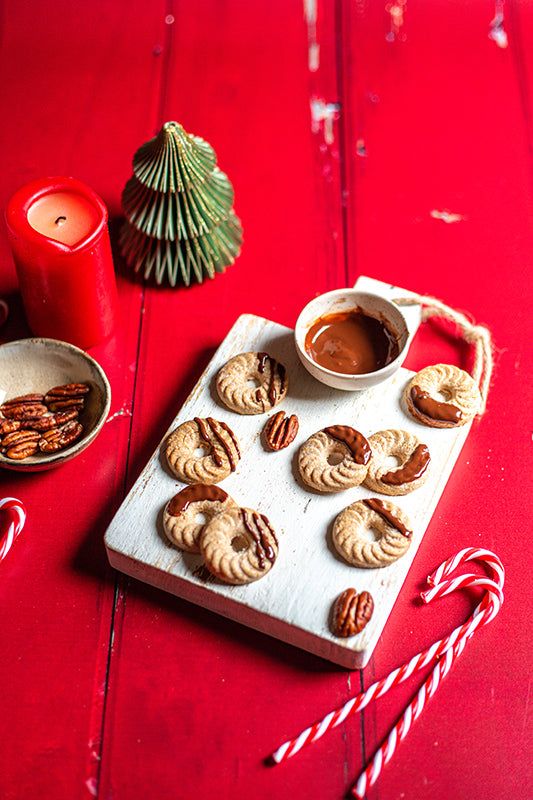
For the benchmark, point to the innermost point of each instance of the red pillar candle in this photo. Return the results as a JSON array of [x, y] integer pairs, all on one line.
[[58, 234]]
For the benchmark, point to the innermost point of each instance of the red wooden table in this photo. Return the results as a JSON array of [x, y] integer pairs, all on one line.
[[393, 140]]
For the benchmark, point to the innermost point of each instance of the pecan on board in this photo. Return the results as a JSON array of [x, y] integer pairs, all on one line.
[[280, 430], [352, 612]]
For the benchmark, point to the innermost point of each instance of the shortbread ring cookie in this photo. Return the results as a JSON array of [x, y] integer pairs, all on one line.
[[463, 398], [180, 517], [221, 444], [239, 545], [334, 459], [252, 383], [413, 467], [351, 533]]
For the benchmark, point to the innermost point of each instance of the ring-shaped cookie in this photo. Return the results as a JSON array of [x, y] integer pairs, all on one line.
[[217, 442], [462, 397], [413, 462], [180, 517], [353, 527], [334, 459], [252, 383], [239, 545]]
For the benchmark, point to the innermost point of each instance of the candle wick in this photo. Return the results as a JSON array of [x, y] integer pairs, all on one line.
[[57, 220]]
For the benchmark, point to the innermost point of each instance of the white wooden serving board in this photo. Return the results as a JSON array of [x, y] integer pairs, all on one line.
[[293, 601]]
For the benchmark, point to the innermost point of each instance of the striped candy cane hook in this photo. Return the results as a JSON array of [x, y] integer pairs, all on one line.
[[17, 518]]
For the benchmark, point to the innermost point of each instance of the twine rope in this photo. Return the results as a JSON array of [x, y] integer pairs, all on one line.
[[476, 335]]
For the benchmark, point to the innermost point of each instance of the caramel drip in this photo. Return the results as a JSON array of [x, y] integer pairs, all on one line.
[[212, 426], [413, 468], [275, 369], [263, 548], [377, 506], [355, 441], [194, 493], [433, 409]]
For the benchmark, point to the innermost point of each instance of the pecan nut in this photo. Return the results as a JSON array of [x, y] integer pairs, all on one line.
[[352, 612], [18, 445], [28, 405], [59, 438], [52, 420], [69, 395], [281, 430], [9, 425], [23, 398]]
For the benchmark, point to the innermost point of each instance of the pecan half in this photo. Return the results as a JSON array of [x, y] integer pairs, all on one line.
[[51, 420], [24, 398], [28, 405], [9, 425], [70, 395], [58, 438], [20, 444], [281, 430], [69, 390], [351, 612]]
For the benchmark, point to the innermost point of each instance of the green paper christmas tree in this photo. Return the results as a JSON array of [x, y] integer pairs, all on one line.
[[180, 225]]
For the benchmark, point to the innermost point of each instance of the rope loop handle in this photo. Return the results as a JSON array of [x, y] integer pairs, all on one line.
[[476, 335]]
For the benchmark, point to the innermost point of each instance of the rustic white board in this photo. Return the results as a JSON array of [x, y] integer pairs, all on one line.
[[293, 601]]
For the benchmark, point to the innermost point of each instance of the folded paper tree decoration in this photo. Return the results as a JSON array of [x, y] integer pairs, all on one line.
[[180, 225]]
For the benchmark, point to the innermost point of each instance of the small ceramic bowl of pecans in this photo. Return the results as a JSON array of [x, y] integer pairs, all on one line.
[[54, 399]]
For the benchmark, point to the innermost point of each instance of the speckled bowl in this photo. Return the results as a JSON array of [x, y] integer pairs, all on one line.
[[341, 300], [37, 365]]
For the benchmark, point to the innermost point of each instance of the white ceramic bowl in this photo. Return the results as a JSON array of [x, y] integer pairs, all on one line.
[[37, 365], [339, 301]]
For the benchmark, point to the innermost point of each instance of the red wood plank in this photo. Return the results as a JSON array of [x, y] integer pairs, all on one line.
[[192, 694], [438, 121], [76, 97]]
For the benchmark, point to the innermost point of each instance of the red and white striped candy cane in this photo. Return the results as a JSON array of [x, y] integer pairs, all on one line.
[[17, 518], [453, 643], [486, 610]]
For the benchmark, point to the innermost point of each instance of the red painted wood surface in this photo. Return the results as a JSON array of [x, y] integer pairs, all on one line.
[[350, 136]]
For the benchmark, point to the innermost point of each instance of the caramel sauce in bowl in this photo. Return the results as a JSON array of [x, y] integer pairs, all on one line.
[[351, 340]]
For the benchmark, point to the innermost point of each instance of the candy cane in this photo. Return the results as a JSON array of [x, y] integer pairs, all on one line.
[[17, 514], [482, 614], [487, 609]]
